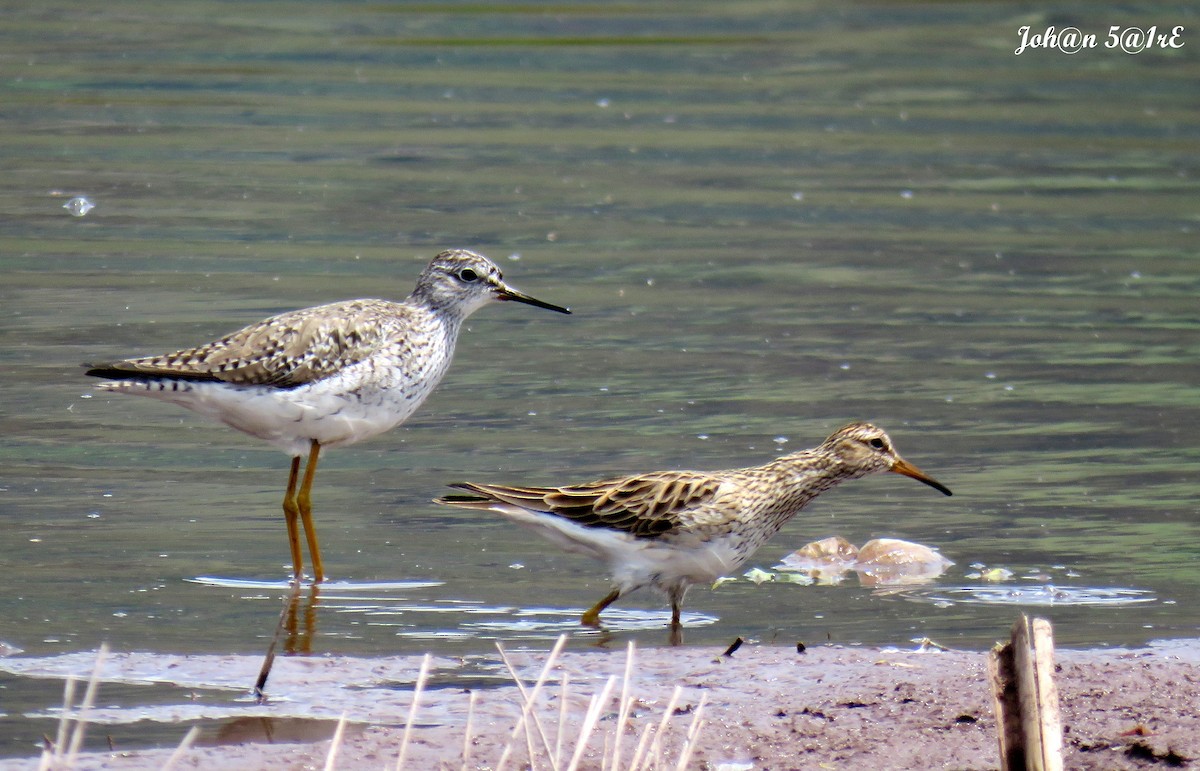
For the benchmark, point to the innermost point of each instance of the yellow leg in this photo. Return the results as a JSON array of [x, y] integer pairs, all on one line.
[[592, 617], [304, 500], [291, 511]]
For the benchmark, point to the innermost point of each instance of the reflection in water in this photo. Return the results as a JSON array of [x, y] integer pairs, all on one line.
[[881, 562], [765, 231], [298, 607], [273, 730], [1039, 596], [299, 640]]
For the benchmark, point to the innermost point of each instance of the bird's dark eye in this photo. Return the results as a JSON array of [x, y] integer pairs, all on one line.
[[878, 444], [468, 275]]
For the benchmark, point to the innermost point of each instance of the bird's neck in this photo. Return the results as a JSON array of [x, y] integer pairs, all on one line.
[[430, 306], [807, 474]]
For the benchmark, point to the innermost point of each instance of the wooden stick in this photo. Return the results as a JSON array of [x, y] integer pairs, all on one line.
[[1002, 677], [1025, 698], [1050, 724]]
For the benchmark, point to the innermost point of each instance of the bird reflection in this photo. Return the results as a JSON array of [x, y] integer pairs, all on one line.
[[297, 626]]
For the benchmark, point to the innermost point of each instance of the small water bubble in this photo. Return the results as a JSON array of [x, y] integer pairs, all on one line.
[[798, 196], [1135, 274], [603, 102], [106, 494], [93, 515], [531, 413], [515, 256], [780, 440], [990, 375], [85, 396], [517, 566], [79, 206], [701, 436], [649, 282], [120, 614], [906, 194], [1008, 388], [844, 365]]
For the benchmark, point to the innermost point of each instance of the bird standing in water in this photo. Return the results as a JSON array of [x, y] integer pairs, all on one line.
[[324, 376], [672, 529]]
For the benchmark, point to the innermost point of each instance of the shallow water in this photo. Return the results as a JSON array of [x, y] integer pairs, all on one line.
[[769, 219]]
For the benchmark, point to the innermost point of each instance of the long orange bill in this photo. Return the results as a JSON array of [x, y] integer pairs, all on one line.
[[909, 470]]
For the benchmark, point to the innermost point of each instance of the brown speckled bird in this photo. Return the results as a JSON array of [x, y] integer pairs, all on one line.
[[324, 376], [672, 529]]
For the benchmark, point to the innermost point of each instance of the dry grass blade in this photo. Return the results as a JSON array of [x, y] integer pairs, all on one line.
[[64, 720], [336, 743], [530, 702], [689, 744], [643, 743], [562, 719], [184, 746], [412, 710], [54, 752], [625, 703], [655, 749], [466, 753], [89, 699], [589, 722]]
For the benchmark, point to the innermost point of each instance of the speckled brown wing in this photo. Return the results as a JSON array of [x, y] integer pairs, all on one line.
[[285, 351], [646, 506]]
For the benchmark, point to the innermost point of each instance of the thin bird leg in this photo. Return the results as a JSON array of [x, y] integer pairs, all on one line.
[[676, 636], [592, 617], [304, 499], [291, 511]]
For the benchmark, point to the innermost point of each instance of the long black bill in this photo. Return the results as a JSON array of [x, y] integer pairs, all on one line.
[[508, 293]]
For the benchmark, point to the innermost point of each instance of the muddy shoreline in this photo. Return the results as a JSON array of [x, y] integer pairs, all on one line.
[[763, 707]]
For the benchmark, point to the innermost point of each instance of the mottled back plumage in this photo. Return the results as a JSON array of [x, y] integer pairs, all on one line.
[[647, 505], [284, 351], [327, 375], [671, 529]]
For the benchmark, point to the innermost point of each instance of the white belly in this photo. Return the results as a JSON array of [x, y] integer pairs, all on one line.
[[634, 561], [288, 419]]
